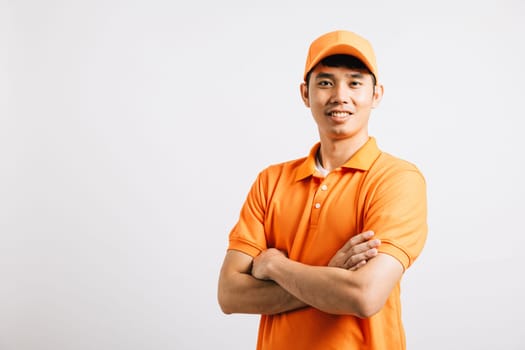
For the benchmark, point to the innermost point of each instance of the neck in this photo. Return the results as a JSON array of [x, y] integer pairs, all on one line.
[[334, 153]]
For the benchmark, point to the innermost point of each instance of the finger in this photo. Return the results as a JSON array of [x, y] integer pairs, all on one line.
[[357, 239], [359, 265], [363, 251], [363, 247], [356, 259], [373, 243]]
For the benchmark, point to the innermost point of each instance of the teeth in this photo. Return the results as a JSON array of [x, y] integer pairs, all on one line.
[[340, 114]]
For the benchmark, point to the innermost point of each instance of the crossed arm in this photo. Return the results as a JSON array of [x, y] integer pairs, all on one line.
[[352, 283]]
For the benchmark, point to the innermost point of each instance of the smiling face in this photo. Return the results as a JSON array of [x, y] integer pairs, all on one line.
[[341, 100]]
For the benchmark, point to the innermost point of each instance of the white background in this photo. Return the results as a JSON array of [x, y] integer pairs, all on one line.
[[130, 132]]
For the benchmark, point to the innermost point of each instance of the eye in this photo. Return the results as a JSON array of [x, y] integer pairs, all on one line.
[[324, 83], [355, 83]]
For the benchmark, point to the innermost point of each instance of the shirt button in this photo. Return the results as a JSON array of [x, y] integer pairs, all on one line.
[[317, 205], [324, 188]]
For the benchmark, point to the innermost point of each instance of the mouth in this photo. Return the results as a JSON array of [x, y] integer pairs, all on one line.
[[339, 116]]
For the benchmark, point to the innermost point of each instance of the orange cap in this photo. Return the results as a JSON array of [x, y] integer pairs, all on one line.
[[340, 42]]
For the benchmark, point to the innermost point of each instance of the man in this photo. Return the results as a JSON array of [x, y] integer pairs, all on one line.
[[322, 242]]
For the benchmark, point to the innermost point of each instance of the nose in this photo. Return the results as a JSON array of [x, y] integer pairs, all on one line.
[[340, 94]]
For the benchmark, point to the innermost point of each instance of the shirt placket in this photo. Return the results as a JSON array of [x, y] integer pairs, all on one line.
[[319, 200]]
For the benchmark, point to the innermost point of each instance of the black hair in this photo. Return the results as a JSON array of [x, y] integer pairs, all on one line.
[[346, 61]]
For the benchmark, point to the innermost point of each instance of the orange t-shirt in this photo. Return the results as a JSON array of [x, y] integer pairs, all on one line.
[[293, 208]]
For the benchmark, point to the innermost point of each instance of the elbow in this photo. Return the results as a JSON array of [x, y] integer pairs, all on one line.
[[366, 311], [368, 304], [359, 302], [225, 308], [224, 302]]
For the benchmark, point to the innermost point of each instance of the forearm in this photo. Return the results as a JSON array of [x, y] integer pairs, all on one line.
[[329, 289], [245, 294], [336, 289], [240, 292]]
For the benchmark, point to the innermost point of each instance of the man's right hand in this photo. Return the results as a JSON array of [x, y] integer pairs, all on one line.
[[356, 252]]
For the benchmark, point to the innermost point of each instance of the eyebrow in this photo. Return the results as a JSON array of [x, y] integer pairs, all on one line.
[[322, 75]]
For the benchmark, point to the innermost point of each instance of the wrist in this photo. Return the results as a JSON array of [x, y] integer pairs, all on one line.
[[274, 266]]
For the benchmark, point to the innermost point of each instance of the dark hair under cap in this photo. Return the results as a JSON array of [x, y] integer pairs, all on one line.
[[346, 61]]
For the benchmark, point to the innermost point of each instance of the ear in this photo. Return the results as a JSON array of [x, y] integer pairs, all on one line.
[[304, 94], [378, 95]]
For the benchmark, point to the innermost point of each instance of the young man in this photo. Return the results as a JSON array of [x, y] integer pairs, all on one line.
[[322, 242]]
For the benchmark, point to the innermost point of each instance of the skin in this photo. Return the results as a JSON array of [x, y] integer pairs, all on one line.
[[334, 290], [341, 101], [333, 90], [240, 292]]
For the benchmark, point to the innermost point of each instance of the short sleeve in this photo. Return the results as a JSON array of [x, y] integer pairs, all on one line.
[[248, 235], [397, 213]]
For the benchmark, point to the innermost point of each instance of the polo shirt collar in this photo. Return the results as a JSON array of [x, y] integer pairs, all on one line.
[[361, 160]]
